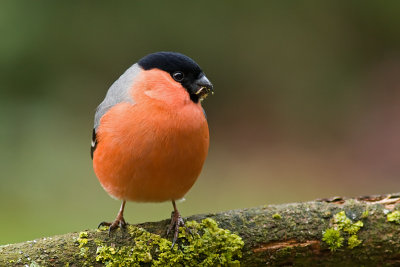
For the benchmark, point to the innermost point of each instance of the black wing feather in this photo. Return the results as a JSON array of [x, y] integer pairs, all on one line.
[[94, 143]]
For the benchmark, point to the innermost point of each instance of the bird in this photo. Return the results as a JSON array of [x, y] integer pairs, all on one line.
[[150, 136]]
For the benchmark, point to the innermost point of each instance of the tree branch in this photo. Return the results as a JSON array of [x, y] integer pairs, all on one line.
[[309, 233]]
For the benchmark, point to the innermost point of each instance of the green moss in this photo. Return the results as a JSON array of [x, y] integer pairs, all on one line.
[[353, 241], [345, 224], [354, 227], [394, 217], [333, 238], [341, 220], [277, 216], [208, 245], [365, 214]]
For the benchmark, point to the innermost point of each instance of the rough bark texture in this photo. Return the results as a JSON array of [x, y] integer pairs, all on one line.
[[278, 235]]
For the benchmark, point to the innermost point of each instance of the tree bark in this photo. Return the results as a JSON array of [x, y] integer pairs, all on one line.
[[277, 235]]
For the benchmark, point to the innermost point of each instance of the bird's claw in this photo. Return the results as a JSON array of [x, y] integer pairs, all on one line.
[[118, 223], [176, 222]]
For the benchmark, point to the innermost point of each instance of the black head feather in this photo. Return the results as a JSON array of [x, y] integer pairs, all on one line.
[[173, 62]]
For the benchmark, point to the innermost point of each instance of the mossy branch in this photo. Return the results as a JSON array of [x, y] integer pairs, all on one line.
[[350, 232]]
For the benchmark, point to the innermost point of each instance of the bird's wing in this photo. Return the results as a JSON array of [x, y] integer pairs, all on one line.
[[118, 92], [94, 143]]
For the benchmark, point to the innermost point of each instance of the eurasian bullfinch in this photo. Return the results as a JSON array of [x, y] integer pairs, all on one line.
[[150, 136]]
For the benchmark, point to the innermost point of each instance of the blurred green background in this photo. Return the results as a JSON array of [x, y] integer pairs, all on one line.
[[307, 103]]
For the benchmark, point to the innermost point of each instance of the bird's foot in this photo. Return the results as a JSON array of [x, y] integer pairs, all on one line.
[[119, 222], [176, 222]]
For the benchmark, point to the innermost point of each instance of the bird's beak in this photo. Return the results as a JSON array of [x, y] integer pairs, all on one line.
[[203, 87]]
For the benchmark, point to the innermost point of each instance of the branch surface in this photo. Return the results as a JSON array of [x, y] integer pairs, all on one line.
[[350, 232]]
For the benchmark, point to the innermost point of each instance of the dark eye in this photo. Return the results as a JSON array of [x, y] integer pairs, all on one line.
[[178, 76]]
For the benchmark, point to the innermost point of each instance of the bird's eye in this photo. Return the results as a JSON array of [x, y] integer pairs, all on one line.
[[178, 76]]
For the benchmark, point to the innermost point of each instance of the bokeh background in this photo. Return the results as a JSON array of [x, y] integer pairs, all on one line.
[[307, 103]]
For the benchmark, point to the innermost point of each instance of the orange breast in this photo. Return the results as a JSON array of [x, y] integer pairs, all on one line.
[[152, 150]]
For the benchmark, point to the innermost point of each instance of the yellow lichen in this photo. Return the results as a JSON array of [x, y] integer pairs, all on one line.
[[82, 240], [83, 235], [122, 256], [208, 245]]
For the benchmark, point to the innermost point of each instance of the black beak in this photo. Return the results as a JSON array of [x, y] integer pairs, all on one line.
[[203, 87]]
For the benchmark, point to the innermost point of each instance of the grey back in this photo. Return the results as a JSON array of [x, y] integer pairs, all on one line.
[[118, 92]]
